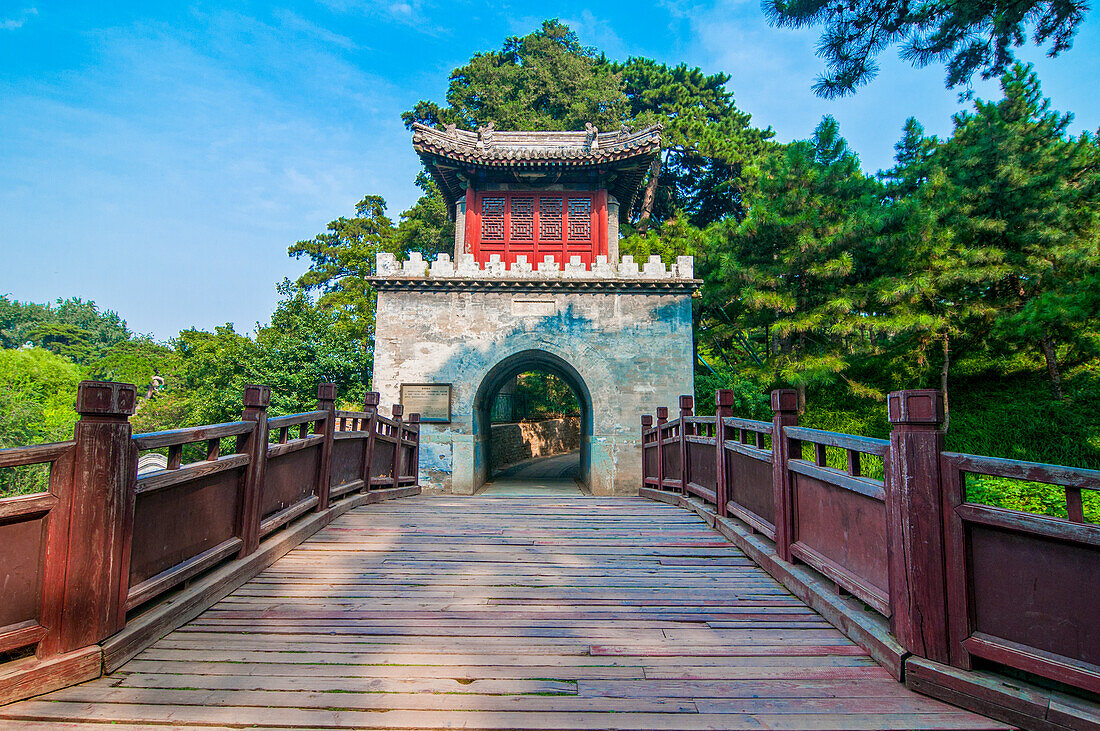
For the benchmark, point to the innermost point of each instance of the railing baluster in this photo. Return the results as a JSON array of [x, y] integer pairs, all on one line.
[[326, 401], [1075, 508], [784, 413], [915, 523], [256, 401], [175, 456]]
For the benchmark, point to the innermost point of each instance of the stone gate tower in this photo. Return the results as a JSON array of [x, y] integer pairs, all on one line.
[[535, 284]]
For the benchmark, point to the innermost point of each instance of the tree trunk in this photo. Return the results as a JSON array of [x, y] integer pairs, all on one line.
[[650, 194], [1046, 344], [943, 381]]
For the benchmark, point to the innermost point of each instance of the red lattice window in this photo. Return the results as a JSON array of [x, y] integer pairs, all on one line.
[[580, 219], [535, 224], [523, 219], [550, 208], [492, 218]]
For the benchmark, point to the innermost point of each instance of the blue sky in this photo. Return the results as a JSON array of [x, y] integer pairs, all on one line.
[[159, 157]]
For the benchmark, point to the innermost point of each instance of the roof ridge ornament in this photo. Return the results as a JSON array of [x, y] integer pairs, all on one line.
[[591, 136], [485, 135]]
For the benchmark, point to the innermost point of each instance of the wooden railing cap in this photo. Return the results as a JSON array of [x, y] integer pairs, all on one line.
[[105, 398], [784, 399], [918, 406], [326, 391], [398, 410], [257, 397], [687, 403], [647, 421], [724, 397], [662, 413], [372, 398]]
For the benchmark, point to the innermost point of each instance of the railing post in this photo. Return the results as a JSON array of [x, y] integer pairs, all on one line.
[[915, 523], [370, 405], [723, 400], [326, 401], [398, 410], [662, 419], [414, 420], [784, 413], [100, 517], [647, 423], [686, 405], [256, 401]]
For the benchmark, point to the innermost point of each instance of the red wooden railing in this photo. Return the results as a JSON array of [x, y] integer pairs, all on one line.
[[105, 546], [889, 523]]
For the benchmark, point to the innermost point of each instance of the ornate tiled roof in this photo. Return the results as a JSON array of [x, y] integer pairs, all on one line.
[[616, 160], [490, 147]]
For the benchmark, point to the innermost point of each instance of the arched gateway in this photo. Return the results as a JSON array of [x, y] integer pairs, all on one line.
[[452, 332]]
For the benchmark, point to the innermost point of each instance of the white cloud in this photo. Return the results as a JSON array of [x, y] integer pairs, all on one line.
[[18, 22]]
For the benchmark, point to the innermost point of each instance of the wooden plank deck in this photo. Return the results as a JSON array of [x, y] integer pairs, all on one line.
[[552, 612]]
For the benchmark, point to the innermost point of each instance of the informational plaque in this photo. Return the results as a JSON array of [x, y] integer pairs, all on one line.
[[431, 400]]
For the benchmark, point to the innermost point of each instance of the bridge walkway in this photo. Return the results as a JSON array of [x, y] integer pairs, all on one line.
[[510, 612]]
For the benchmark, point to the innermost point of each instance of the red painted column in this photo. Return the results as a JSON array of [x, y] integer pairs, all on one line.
[[97, 574], [256, 401], [723, 400], [915, 523], [687, 403], [784, 413], [326, 401]]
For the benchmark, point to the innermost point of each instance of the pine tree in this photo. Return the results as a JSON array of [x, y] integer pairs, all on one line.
[[790, 267], [1028, 196]]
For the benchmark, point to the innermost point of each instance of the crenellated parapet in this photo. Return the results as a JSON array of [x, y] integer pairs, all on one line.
[[467, 273]]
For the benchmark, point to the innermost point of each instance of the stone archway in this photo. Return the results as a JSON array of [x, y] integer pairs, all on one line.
[[504, 371]]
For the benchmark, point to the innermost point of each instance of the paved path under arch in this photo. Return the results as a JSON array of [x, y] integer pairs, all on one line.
[[550, 612]]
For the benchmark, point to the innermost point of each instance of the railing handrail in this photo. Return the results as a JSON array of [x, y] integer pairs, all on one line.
[[1018, 469], [761, 427], [866, 445], [34, 454], [278, 422], [192, 434]]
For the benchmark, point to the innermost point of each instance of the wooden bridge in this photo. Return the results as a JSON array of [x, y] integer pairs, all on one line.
[[298, 578]]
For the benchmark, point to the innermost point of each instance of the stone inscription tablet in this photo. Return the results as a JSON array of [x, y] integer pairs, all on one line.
[[534, 307], [431, 400]]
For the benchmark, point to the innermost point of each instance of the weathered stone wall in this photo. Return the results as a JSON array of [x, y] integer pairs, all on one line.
[[516, 442], [630, 351]]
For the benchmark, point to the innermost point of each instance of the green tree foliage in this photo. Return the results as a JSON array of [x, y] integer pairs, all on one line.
[[71, 327], [304, 345], [1026, 196], [542, 81], [342, 258], [138, 361], [790, 268], [706, 141], [37, 398], [426, 227], [970, 36]]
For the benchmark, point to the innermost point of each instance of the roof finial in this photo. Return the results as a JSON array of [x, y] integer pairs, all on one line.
[[484, 135], [591, 137]]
